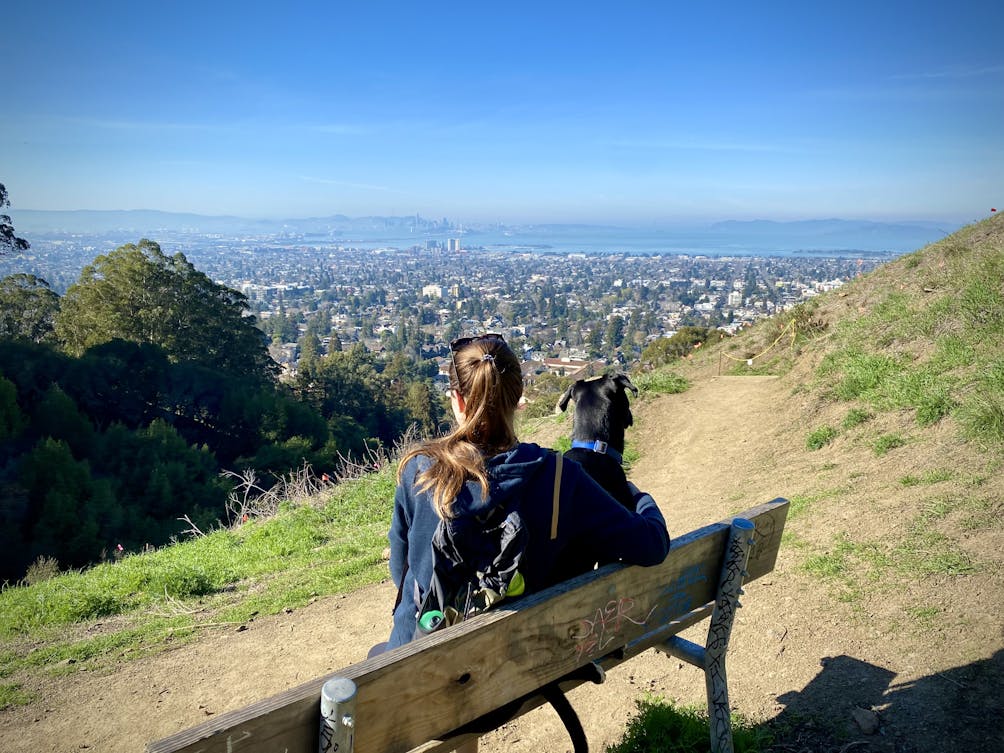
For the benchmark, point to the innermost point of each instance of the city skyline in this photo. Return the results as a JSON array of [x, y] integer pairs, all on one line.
[[556, 113]]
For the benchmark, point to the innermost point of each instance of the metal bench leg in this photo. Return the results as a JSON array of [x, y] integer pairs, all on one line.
[[711, 656], [729, 590], [338, 712]]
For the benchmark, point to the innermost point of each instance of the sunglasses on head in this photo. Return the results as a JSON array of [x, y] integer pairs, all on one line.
[[462, 342]]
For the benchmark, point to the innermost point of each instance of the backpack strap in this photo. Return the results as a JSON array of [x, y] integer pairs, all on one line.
[[557, 496], [554, 695], [400, 588]]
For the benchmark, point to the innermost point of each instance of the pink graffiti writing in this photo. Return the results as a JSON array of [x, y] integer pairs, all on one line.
[[594, 635]]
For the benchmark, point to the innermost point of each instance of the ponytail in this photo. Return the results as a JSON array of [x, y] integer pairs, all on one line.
[[486, 372]]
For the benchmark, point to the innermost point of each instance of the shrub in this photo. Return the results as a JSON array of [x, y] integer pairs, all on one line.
[[678, 345], [661, 725], [42, 569]]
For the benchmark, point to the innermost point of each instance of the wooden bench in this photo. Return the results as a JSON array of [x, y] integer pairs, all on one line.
[[414, 697]]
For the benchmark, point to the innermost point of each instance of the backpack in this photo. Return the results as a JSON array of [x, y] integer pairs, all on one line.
[[475, 562]]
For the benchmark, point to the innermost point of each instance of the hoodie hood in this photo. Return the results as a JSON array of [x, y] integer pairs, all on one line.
[[508, 474]]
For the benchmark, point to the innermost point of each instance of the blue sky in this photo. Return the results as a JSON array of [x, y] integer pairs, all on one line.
[[629, 112]]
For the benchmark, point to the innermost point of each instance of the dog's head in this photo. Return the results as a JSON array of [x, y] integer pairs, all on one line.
[[601, 408]]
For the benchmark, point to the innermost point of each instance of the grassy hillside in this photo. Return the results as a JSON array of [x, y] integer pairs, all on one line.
[[886, 430], [923, 334], [895, 388]]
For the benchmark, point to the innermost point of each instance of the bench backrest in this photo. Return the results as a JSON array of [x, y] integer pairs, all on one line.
[[423, 690]]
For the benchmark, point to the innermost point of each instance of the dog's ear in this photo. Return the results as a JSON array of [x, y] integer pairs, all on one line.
[[563, 400], [625, 382]]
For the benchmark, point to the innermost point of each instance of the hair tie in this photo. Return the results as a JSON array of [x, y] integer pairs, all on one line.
[[488, 357]]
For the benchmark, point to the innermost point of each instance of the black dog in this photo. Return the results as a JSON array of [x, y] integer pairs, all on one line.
[[602, 414]]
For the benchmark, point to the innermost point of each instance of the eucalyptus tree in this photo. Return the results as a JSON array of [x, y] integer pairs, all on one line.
[[138, 294], [28, 308], [9, 243]]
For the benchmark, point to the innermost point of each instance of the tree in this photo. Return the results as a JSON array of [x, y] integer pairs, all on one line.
[[310, 347], [615, 332], [138, 294], [12, 420], [667, 349], [8, 241], [358, 403], [57, 417], [28, 308], [61, 516], [424, 407]]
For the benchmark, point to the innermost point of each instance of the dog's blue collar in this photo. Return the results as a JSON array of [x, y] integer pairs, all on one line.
[[598, 445]]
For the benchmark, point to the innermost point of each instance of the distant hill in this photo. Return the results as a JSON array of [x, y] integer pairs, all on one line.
[[807, 235], [835, 234], [151, 222]]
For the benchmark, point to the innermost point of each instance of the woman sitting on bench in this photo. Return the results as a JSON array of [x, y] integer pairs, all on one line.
[[558, 522]]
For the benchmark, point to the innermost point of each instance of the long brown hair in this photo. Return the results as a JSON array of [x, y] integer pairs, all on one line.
[[487, 373]]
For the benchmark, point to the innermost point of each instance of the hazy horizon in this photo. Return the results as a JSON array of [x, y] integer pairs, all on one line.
[[669, 224]]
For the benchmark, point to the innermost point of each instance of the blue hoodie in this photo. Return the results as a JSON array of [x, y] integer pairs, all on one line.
[[592, 525]]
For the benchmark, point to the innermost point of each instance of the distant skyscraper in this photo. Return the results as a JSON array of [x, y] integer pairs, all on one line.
[[453, 244]]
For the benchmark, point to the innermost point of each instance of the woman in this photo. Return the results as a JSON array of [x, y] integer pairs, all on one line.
[[481, 465]]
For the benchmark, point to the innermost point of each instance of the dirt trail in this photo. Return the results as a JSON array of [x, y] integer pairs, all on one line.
[[710, 452], [694, 448]]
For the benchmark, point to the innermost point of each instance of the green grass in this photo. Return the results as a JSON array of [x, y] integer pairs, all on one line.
[[985, 514], [660, 381], [887, 442], [800, 505], [661, 726], [819, 438], [980, 301], [925, 616], [935, 476], [926, 550], [843, 559], [856, 567], [858, 374], [935, 353], [929, 552], [226, 577], [12, 695], [855, 417], [982, 411], [973, 513], [888, 382]]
